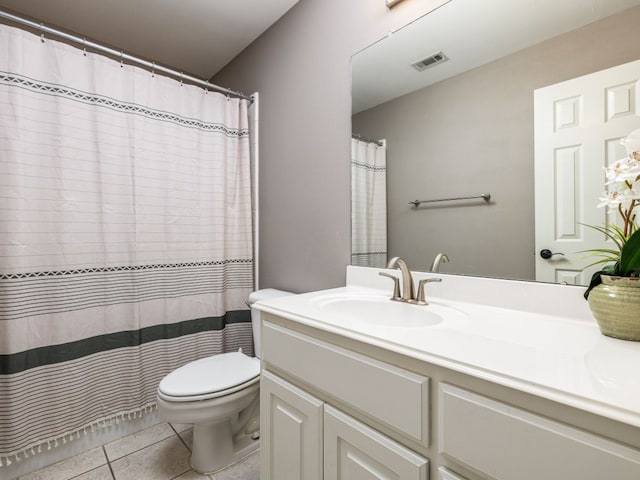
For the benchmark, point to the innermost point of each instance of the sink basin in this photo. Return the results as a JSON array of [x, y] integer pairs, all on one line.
[[374, 310]]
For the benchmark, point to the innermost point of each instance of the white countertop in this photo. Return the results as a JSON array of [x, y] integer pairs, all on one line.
[[502, 331]]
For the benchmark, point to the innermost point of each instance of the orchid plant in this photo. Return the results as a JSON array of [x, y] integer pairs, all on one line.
[[623, 196]]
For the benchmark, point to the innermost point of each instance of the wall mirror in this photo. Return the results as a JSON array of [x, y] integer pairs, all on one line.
[[463, 123]]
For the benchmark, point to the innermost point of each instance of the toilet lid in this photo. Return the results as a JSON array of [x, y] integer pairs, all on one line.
[[210, 375]]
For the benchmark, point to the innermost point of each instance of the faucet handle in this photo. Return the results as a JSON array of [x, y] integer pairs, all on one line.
[[396, 285], [421, 300]]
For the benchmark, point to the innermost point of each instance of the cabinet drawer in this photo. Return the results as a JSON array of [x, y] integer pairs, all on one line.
[[354, 451], [396, 397], [507, 443], [446, 474]]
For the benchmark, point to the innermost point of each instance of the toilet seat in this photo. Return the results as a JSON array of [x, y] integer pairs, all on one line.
[[210, 377]]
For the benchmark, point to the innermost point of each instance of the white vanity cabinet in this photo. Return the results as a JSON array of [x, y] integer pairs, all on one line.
[[338, 408], [305, 438], [308, 438]]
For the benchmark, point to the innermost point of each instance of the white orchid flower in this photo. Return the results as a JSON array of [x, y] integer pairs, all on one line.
[[610, 199], [631, 194], [613, 198], [623, 195], [624, 170], [632, 142]]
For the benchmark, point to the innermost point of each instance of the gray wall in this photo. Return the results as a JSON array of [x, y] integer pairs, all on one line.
[[474, 133], [301, 68]]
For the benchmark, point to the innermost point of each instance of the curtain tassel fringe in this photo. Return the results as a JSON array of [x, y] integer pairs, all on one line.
[[30, 451]]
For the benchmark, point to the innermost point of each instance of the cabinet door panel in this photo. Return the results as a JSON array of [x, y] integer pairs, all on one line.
[[508, 443], [354, 451], [291, 430], [446, 474]]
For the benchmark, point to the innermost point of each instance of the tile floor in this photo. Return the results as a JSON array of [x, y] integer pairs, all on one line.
[[160, 452]]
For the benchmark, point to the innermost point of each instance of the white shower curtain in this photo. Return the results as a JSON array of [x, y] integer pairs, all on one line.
[[368, 203], [125, 237]]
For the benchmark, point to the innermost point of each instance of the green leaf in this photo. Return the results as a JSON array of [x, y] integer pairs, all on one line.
[[630, 256], [597, 280], [618, 232], [601, 252], [599, 262], [612, 232]]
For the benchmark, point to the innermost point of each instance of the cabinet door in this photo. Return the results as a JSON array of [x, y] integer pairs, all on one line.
[[354, 451], [291, 431]]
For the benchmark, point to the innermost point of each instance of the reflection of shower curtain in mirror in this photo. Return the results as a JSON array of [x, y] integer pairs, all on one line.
[[368, 204], [125, 238]]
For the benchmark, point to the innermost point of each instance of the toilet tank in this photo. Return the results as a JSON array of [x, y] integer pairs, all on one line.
[[258, 295]]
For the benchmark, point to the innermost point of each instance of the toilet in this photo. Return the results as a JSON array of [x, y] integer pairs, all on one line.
[[219, 395]]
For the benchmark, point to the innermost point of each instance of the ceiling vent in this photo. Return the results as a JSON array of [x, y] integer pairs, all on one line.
[[430, 61]]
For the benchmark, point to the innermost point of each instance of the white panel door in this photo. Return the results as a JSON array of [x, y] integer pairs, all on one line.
[[291, 431], [578, 127], [354, 451]]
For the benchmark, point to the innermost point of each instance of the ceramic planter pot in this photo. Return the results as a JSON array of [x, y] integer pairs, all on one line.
[[615, 304]]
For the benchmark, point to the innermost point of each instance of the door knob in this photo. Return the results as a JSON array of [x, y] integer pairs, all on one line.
[[547, 254]]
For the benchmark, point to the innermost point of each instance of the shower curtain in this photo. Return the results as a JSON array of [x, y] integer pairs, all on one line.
[[368, 203], [125, 237]]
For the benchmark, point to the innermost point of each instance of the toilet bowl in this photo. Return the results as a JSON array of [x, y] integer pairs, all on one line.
[[219, 395]]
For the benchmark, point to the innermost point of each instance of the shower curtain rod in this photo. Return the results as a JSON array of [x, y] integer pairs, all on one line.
[[121, 55], [367, 140]]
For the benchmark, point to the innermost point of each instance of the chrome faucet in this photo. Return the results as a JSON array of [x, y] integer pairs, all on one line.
[[407, 281], [422, 284], [440, 258]]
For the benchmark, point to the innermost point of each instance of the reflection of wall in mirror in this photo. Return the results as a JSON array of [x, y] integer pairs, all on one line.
[[474, 133]]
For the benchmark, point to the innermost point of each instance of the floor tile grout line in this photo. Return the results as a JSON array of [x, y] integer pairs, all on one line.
[[113, 475], [80, 473], [188, 449], [173, 428], [175, 432], [84, 473], [180, 474], [180, 437], [141, 448]]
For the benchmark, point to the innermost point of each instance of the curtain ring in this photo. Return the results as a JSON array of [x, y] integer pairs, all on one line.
[[121, 58], [206, 88], [84, 44], [42, 32], [181, 76], [153, 70]]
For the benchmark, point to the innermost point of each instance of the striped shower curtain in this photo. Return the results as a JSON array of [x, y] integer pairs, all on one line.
[[125, 237], [368, 204]]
